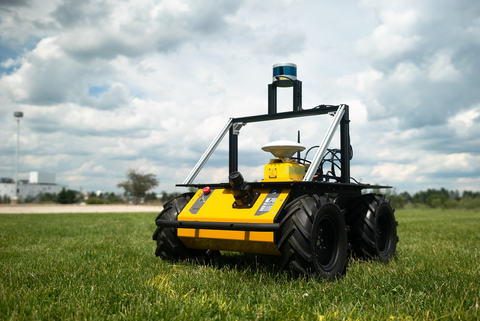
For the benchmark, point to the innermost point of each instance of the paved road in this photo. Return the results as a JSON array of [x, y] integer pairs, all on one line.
[[76, 208]]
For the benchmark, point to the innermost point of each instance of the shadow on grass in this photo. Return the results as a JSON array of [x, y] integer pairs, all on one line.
[[271, 265], [245, 263]]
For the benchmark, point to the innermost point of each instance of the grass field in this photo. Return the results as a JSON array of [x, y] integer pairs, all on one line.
[[102, 266]]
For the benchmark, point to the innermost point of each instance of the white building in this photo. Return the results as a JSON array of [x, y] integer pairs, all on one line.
[[42, 178], [38, 184]]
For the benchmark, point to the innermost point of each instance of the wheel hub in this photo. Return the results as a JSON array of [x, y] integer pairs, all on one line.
[[326, 244]]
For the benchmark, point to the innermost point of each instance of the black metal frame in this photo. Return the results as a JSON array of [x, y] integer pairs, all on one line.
[[260, 227], [342, 185], [272, 95], [320, 110]]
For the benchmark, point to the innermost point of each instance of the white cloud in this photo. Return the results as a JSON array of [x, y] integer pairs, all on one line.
[[362, 81], [441, 69], [391, 172], [474, 30], [174, 7], [463, 121], [45, 163], [448, 163], [12, 62], [393, 37], [406, 73]]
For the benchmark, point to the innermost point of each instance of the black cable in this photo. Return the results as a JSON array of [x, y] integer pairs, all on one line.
[[305, 158], [354, 180], [333, 158]]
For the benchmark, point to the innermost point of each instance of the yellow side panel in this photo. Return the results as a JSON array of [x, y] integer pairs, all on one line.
[[217, 207], [224, 235]]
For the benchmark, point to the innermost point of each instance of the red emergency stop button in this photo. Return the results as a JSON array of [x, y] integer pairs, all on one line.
[[206, 190]]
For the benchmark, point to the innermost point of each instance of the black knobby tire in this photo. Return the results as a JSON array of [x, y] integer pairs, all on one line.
[[169, 246], [373, 233], [330, 242], [313, 238]]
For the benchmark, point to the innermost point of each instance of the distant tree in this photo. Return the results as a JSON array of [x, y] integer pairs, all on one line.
[[66, 196], [406, 196], [112, 198], [470, 194], [165, 196], [48, 197], [433, 198], [137, 184], [396, 200], [150, 196]]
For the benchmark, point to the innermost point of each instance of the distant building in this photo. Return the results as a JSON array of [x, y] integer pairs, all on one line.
[[42, 178], [38, 184]]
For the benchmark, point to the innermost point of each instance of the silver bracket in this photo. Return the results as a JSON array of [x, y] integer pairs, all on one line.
[[237, 127]]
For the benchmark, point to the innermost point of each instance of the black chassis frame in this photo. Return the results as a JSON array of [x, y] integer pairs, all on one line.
[[344, 191]]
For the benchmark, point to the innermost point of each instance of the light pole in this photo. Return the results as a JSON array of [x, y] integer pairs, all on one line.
[[18, 115]]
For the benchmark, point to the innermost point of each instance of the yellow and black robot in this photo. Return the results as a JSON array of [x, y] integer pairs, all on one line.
[[307, 211]]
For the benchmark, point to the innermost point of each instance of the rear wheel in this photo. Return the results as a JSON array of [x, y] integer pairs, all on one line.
[[314, 238], [374, 230], [169, 246]]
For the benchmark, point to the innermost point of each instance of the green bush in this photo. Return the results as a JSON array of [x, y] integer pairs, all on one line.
[[97, 200], [451, 204], [5, 199], [48, 197], [469, 203], [397, 201]]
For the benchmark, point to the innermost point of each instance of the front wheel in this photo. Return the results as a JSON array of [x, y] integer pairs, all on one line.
[[169, 246], [329, 242], [313, 238]]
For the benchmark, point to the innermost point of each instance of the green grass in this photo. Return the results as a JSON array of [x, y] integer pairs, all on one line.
[[102, 266]]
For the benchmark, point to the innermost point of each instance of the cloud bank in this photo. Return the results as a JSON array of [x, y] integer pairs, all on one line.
[[111, 85]]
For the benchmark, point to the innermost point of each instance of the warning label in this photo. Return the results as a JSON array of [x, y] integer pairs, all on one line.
[[267, 204], [269, 201]]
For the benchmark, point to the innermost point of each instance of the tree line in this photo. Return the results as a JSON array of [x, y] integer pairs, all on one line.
[[68, 196], [434, 198], [137, 185]]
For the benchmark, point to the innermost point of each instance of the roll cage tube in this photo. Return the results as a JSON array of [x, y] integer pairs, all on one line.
[[201, 162]]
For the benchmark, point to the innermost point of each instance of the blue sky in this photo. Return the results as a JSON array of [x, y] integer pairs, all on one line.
[[110, 85]]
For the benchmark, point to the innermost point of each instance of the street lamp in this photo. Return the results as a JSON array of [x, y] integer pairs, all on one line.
[[18, 115]]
